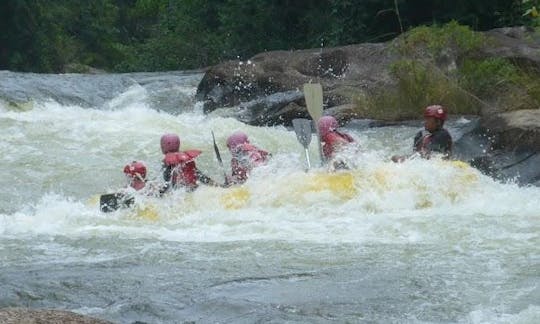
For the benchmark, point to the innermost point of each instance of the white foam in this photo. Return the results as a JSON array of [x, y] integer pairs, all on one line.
[[57, 157]]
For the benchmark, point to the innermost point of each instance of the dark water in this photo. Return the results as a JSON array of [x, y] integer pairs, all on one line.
[[265, 281]]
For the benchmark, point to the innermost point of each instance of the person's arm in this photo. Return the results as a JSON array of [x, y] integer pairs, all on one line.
[[207, 180], [167, 172], [416, 146], [417, 142]]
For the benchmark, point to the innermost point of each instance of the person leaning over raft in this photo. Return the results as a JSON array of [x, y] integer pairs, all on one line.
[[179, 168], [136, 175], [244, 157], [333, 141], [437, 139]]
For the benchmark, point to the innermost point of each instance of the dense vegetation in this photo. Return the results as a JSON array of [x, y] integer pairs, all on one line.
[[469, 84], [154, 35]]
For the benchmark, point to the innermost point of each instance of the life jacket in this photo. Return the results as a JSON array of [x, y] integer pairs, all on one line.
[[439, 141], [332, 142], [422, 144], [137, 184], [244, 158], [182, 167]]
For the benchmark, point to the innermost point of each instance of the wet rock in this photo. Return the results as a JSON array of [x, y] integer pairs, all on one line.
[[342, 71], [518, 130], [505, 146]]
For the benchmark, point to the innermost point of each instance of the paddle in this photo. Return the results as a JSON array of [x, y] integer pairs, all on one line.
[[114, 201], [314, 102], [302, 128], [220, 161]]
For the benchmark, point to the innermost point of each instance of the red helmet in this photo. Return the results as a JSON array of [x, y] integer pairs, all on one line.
[[236, 139], [170, 143], [135, 169], [436, 111], [327, 124]]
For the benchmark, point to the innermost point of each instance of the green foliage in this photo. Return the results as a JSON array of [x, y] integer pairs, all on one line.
[[524, 91], [437, 40], [175, 39], [488, 76], [474, 83], [530, 11], [136, 35], [495, 79], [418, 85]]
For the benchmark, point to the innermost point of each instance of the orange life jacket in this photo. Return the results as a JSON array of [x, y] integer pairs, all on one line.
[[245, 158], [332, 141], [183, 167]]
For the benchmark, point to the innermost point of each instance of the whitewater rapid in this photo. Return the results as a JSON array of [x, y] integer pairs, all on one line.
[[432, 240]]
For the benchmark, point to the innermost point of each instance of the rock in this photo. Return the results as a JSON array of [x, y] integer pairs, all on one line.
[[505, 144], [342, 71], [515, 130], [346, 73], [343, 113], [270, 110], [515, 43], [38, 316]]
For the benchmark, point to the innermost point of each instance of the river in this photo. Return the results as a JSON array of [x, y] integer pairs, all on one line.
[[418, 242]]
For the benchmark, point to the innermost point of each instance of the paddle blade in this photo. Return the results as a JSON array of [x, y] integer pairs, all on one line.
[[114, 201], [314, 100], [302, 128]]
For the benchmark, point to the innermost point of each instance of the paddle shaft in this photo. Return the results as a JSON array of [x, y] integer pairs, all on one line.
[[307, 158], [218, 156]]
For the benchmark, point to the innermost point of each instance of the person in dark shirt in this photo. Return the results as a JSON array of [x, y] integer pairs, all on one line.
[[436, 140]]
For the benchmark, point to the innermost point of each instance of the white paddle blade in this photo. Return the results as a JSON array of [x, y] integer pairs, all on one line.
[[314, 100]]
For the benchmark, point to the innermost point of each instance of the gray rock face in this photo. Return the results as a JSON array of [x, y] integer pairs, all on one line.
[[341, 71], [516, 43], [38, 316], [518, 130], [515, 143]]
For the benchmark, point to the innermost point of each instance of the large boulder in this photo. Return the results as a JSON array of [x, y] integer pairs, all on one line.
[[517, 130], [342, 71], [266, 90], [346, 74], [515, 43], [505, 146]]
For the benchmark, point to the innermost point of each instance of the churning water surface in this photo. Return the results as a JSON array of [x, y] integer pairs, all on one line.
[[418, 242]]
